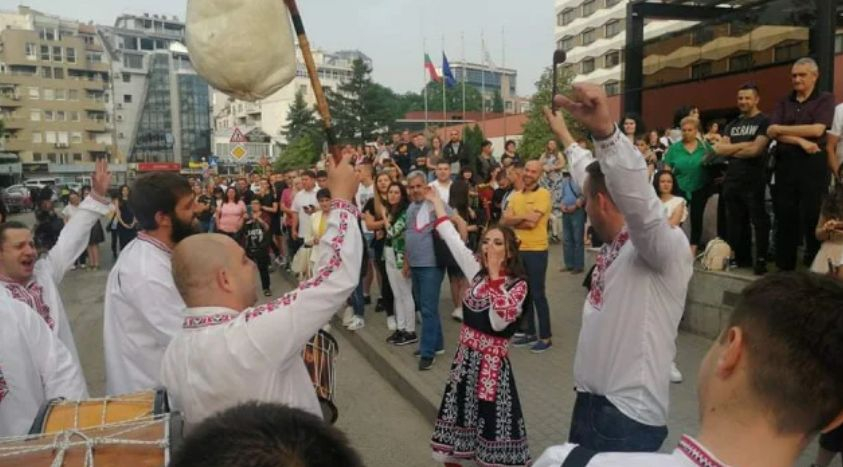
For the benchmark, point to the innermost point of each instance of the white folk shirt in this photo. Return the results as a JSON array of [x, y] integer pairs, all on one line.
[[689, 453], [50, 270], [303, 199], [222, 358], [444, 190], [631, 315], [143, 312], [35, 366], [837, 130]]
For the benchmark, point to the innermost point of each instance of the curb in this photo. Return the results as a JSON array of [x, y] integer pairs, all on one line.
[[406, 382]]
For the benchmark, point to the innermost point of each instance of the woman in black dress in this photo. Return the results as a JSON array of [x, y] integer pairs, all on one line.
[[480, 416], [126, 223], [97, 237]]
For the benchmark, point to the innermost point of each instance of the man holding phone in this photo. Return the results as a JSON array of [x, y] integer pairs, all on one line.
[[304, 205]]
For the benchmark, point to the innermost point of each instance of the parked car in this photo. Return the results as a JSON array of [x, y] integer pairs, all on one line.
[[64, 189], [17, 198], [36, 184]]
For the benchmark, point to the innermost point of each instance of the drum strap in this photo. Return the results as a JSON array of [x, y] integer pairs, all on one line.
[[579, 457]]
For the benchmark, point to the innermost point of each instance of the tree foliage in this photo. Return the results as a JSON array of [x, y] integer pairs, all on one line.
[[473, 137], [301, 119], [414, 102], [302, 152], [497, 102], [536, 131], [361, 108]]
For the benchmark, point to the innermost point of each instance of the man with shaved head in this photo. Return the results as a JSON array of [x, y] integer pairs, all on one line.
[[229, 351]]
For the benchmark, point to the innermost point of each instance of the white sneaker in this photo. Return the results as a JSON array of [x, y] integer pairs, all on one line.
[[390, 323], [347, 316], [457, 314], [675, 374], [327, 328], [356, 323]]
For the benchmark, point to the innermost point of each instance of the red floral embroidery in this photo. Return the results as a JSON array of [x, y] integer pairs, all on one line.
[[608, 254], [507, 303], [196, 322], [697, 454], [155, 242], [494, 350], [32, 295]]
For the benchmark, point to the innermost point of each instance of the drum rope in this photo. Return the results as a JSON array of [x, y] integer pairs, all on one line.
[[65, 440]]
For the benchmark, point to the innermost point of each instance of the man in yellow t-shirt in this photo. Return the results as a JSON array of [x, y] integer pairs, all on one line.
[[527, 212]]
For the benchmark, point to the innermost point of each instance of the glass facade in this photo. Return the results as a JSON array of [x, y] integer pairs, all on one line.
[[154, 142], [194, 116]]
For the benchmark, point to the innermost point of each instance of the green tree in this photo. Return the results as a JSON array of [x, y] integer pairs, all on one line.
[[300, 153], [536, 131], [497, 102], [361, 108], [453, 98], [301, 119], [473, 138]]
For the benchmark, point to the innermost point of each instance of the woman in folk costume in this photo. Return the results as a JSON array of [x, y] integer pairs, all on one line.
[[480, 416]]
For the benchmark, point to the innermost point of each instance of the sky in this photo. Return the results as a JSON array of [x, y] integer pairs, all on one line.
[[392, 32]]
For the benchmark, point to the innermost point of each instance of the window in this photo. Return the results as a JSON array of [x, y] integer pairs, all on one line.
[[589, 7], [560, 19], [127, 98], [58, 73], [94, 57], [588, 65], [46, 72], [588, 36], [613, 59], [567, 43], [740, 62], [613, 28], [127, 77], [60, 94], [702, 36], [72, 95], [45, 53], [77, 157], [74, 116], [36, 156], [57, 54], [700, 70], [47, 34], [35, 115], [75, 137], [70, 55], [612, 88], [568, 16], [51, 156], [48, 116], [133, 61], [33, 93], [36, 137], [49, 94], [120, 136], [50, 136], [31, 51], [60, 115], [788, 52]]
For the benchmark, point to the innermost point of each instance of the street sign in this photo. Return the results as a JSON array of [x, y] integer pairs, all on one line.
[[239, 151], [238, 137]]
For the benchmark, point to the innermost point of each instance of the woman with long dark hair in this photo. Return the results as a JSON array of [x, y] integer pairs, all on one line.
[[674, 205], [394, 213], [97, 237], [231, 215], [480, 417], [459, 198], [376, 223], [126, 222]]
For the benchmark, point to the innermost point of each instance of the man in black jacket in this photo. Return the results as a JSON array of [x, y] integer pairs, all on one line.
[[455, 153]]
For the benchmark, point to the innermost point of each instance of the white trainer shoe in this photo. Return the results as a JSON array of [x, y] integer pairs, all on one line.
[[356, 323], [347, 316], [457, 314], [675, 374], [390, 323]]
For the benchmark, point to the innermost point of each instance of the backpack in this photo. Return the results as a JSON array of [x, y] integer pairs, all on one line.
[[716, 255]]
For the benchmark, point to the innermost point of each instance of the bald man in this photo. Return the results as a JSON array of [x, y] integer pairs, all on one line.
[[229, 351]]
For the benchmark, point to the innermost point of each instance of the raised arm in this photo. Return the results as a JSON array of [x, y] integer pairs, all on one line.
[[447, 231]]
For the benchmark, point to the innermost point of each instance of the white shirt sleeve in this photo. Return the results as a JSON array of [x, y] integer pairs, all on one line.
[[74, 237], [462, 254], [278, 330], [163, 307], [837, 124], [626, 179]]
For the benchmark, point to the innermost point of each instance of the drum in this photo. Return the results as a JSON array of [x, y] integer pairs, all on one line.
[[320, 355], [142, 442], [59, 415]]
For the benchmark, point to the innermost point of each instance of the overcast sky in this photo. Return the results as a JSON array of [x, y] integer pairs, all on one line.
[[391, 32]]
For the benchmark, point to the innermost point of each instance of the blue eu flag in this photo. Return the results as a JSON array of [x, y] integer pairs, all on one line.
[[447, 74]]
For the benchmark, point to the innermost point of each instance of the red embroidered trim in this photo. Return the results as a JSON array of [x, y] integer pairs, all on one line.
[[33, 296], [196, 322], [696, 453], [494, 350], [608, 255], [155, 242], [507, 303], [440, 220]]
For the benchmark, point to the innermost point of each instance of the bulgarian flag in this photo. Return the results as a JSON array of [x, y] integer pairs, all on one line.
[[428, 64]]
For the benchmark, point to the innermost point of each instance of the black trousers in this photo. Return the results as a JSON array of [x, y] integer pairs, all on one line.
[[262, 262], [798, 192], [387, 297], [744, 206], [697, 205]]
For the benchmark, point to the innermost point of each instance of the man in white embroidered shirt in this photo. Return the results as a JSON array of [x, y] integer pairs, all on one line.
[[769, 384], [230, 351], [638, 288], [143, 309], [34, 281]]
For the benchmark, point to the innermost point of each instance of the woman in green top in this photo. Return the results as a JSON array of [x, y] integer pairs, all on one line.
[[685, 158], [395, 217]]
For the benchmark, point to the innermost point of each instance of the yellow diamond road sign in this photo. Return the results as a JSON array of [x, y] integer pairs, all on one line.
[[239, 151]]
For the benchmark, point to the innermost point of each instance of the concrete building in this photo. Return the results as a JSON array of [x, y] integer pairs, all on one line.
[[270, 115], [593, 33], [162, 107], [54, 94], [487, 80]]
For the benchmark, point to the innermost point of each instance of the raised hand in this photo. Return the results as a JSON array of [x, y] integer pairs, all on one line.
[[341, 179], [101, 178], [590, 106]]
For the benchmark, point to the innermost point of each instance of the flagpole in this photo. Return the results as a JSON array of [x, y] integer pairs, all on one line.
[[462, 44], [424, 81], [503, 67], [483, 81], [444, 103]]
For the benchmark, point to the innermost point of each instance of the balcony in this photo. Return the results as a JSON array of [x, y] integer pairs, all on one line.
[[10, 100], [13, 123], [95, 125], [96, 105], [16, 145]]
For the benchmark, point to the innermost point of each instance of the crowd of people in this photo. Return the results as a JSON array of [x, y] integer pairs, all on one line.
[[181, 307]]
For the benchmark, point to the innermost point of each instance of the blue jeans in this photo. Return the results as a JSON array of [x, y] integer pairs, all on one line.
[[205, 226], [535, 265], [573, 231], [426, 285], [356, 299], [599, 426]]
